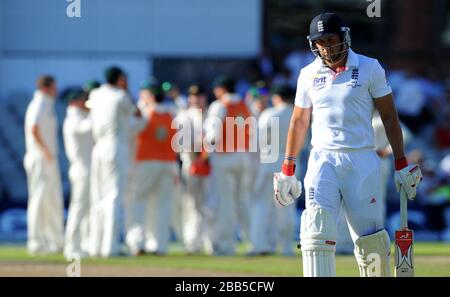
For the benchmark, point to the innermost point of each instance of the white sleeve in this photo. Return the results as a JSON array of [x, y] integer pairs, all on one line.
[[379, 85], [216, 114], [36, 114], [83, 126], [127, 104], [302, 98]]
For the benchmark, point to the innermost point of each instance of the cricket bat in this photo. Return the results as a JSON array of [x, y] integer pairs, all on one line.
[[404, 239]]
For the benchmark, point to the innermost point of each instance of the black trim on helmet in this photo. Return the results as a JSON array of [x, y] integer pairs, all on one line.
[[345, 37]]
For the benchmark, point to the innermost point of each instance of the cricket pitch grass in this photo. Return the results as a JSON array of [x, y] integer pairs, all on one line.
[[430, 259]]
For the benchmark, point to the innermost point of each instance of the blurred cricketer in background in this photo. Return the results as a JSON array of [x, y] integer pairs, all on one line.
[[45, 200], [156, 174], [78, 143], [195, 173], [231, 164], [134, 208], [111, 109], [271, 224], [340, 90]]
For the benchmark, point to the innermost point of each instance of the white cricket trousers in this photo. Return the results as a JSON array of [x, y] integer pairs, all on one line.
[[351, 180], [45, 220], [77, 226], [231, 174], [149, 226], [344, 241], [108, 182], [194, 196]]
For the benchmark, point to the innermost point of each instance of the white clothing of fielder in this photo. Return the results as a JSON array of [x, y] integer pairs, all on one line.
[[132, 207], [343, 168], [111, 109], [195, 237], [230, 174], [148, 229], [231, 179], [78, 143], [45, 199], [270, 224]]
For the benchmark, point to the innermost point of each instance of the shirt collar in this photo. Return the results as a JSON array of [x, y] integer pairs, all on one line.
[[45, 97], [232, 98], [72, 110], [162, 108], [281, 106], [352, 60]]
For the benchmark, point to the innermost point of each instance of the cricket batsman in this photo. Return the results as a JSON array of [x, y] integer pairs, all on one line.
[[340, 90]]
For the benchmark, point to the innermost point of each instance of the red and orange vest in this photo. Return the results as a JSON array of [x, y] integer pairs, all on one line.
[[240, 112], [154, 142]]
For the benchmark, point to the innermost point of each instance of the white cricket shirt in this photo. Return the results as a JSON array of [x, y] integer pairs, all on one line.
[[111, 109], [41, 112], [78, 140], [342, 104]]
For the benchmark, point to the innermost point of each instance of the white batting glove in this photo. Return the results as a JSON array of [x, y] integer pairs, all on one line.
[[287, 188], [409, 177]]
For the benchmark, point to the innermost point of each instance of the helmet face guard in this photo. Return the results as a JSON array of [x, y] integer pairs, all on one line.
[[337, 57]]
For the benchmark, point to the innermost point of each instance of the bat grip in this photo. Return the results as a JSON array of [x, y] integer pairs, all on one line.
[[403, 209]]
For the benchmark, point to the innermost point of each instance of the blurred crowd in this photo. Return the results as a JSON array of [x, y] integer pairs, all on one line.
[[423, 104]]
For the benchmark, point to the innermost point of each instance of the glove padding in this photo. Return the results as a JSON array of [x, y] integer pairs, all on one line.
[[287, 188], [408, 178]]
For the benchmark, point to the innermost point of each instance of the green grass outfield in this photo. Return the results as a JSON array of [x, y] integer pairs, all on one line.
[[431, 259]]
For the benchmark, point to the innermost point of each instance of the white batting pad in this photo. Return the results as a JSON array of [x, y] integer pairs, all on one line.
[[372, 254], [318, 243]]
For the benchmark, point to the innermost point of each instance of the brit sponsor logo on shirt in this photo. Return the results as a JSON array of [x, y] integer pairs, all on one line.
[[319, 81]]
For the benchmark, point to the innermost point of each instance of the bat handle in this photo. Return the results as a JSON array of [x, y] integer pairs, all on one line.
[[403, 209]]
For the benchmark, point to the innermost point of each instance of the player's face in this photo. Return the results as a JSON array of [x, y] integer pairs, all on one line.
[[122, 83], [194, 101], [219, 92], [197, 101], [329, 47], [145, 96], [52, 90]]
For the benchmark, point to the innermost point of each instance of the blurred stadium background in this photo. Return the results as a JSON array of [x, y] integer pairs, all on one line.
[[192, 41]]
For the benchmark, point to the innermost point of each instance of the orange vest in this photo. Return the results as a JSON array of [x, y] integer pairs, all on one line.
[[154, 142], [240, 113]]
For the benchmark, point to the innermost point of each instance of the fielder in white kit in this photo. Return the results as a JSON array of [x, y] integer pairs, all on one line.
[[265, 235], [156, 175], [340, 90], [195, 173], [45, 202], [78, 142], [111, 110]]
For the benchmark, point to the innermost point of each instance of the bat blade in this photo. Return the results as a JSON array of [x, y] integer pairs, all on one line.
[[404, 262]]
